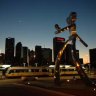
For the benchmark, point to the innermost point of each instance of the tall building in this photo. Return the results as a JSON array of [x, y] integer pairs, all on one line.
[[58, 43], [2, 58], [92, 55], [77, 53], [9, 51], [47, 56], [81, 60], [68, 55], [18, 54], [25, 56], [69, 60], [38, 55], [32, 58]]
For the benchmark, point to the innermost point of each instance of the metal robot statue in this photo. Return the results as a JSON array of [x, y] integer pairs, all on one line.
[[72, 41]]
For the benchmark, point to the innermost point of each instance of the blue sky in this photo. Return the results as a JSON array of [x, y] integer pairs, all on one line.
[[32, 22]]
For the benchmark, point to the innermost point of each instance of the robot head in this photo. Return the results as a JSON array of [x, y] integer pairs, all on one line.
[[72, 18]]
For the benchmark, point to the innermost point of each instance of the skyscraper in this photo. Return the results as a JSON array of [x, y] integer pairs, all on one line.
[[18, 54], [32, 58], [68, 55], [38, 55], [69, 60], [47, 56], [25, 56], [58, 43], [9, 51], [92, 55], [2, 57]]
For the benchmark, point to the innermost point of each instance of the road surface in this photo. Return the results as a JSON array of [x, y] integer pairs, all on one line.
[[10, 87]]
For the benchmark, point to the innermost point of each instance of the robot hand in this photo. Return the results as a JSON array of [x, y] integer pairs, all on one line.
[[57, 28]]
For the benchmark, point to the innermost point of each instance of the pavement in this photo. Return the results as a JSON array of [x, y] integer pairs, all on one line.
[[68, 86], [75, 87]]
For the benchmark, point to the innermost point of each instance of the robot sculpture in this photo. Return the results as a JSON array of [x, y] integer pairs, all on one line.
[[72, 41]]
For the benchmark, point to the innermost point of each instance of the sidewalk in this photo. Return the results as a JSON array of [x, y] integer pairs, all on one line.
[[70, 86]]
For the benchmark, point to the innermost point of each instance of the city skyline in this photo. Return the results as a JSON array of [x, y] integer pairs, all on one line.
[[32, 22]]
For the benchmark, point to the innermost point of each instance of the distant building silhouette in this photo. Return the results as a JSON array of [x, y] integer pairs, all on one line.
[[47, 56], [2, 58], [81, 60], [38, 55], [92, 56], [9, 51], [32, 58], [18, 54], [77, 53], [69, 60], [68, 55], [58, 43], [25, 56]]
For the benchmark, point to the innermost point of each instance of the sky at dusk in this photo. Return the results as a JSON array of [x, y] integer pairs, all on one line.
[[32, 22]]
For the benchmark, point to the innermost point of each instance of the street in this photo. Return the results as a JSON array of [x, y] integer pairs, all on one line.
[[44, 86], [10, 87]]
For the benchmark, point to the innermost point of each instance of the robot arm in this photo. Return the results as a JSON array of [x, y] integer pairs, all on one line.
[[59, 30]]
